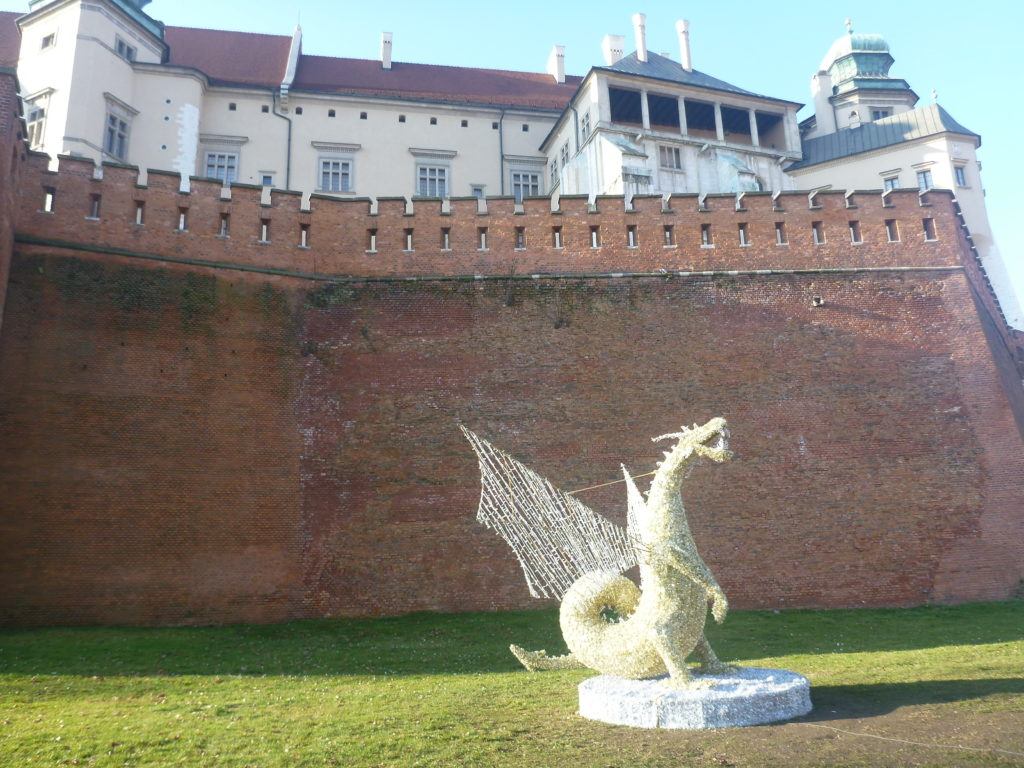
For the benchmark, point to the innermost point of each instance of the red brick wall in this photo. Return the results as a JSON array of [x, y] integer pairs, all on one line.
[[10, 153], [188, 437], [189, 445]]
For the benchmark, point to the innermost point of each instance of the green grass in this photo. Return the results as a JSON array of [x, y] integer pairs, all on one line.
[[443, 690]]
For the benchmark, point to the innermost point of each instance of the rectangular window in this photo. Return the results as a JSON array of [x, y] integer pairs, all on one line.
[[408, 240], [303, 235], [669, 236], [335, 175], [35, 123], [631, 241], [446, 238], [961, 175], [595, 236], [432, 181], [267, 179], [94, 206], [706, 240], [780, 233], [670, 157], [744, 236], [553, 172], [585, 126], [565, 154], [924, 180], [125, 51], [855, 232], [525, 185], [478, 192], [878, 114], [225, 225], [115, 139], [222, 165], [892, 230], [481, 234], [520, 238], [371, 241], [556, 237], [183, 219], [891, 183], [48, 41], [140, 213], [817, 232], [929, 229], [264, 230], [49, 199]]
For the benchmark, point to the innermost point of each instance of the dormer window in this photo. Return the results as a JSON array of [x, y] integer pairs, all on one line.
[[879, 114], [124, 50]]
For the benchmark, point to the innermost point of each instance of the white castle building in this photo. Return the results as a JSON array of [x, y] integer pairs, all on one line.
[[103, 79]]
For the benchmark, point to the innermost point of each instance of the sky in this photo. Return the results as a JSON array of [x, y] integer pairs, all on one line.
[[966, 52]]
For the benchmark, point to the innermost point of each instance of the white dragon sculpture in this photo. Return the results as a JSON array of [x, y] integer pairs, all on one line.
[[569, 552]]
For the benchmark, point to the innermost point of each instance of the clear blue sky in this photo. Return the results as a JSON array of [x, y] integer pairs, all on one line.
[[967, 52]]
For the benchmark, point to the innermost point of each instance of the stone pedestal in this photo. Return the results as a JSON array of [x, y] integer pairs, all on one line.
[[748, 696]]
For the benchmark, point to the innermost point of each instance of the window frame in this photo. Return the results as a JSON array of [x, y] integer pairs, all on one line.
[[125, 50], [890, 183], [564, 154], [118, 121], [222, 158], [585, 126], [960, 175], [442, 175], [35, 127], [534, 186], [925, 175], [674, 154], [880, 113], [346, 168]]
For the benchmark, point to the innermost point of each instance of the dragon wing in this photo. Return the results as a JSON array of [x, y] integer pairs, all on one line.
[[635, 506], [555, 537]]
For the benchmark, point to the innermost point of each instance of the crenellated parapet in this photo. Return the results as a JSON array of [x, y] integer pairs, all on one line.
[[113, 208]]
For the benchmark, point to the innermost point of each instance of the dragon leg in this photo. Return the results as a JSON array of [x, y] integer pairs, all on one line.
[[709, 662], [537, 661]]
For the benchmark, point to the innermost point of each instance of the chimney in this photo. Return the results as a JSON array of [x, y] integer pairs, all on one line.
[[640, 31], [385, 50], [683, 30], [611, 47], [556, 63]]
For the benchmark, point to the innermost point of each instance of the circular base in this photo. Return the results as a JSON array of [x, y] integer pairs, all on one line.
[[748, 696]]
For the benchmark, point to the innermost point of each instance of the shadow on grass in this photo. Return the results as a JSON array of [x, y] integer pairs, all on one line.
[[841, 702], [434, 644]]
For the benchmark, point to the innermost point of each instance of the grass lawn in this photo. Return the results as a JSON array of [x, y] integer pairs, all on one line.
[[438, 690]]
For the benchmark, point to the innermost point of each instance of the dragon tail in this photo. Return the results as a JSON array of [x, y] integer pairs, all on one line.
[[537, 661]]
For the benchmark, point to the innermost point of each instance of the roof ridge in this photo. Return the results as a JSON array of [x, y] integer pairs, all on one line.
[[229, 31], [437, 66]]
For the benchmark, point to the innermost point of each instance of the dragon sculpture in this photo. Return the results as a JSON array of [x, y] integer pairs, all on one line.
[[569, 552]]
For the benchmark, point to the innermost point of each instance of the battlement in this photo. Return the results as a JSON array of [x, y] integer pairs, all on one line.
[[114, 209]]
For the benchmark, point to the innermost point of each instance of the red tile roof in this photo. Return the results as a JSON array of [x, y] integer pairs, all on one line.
[[230, 58], [10, 40], [464, 85], [247, 59]]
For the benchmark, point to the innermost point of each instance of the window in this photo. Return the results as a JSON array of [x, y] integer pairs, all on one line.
[[232, 106], [959, 171], [494, 126], [565, 154], [525, 185], [264, 230], [332, 113], [267, 179], [371, 241], [478, 191], [433, 121], [706, 240], [140, 212], [670, 236], [35, 122], [362, 116], [298, 110], [335, 175], [585, 125], [115, 138], [303, 235], [780, 233], [556, 237], [94, 207], [595, 236], [446, 238], [526, 127], [669, 157], [743, 234], [929, 229], [408, 240], [855, 237], [891, 183], [225, 225], [631, 236], [878, 114], [401, 118], [663, 112], [553, 172], [481, 234], [125, 51], [183, 219], [222, 165], [892, 230], [464, 123], [817, 232], [520, 238], [48, 41], [625, 106], [265, 109], [49, 199], [924, 180], [432, 181]]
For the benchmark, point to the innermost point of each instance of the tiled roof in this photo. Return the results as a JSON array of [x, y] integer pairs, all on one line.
[[661, 68], [889, 131], [230, 58], [238, 58], [10, 39]]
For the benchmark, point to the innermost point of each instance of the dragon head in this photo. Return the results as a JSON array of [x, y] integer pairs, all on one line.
[[710, 441]]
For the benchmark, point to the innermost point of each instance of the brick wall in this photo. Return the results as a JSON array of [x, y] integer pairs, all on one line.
[[11, 151], [189, 437]]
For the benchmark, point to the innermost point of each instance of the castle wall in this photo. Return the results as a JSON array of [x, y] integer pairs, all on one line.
[[10, 149], [199, 429]]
